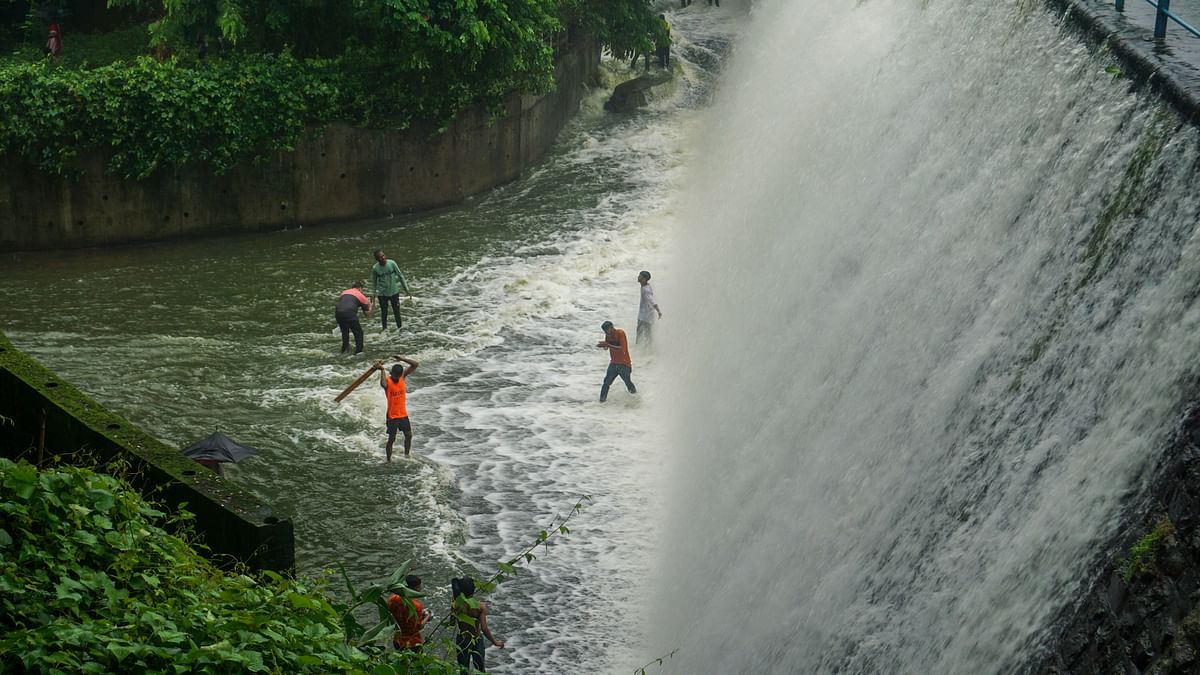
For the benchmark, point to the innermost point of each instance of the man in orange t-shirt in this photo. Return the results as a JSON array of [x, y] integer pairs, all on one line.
[[397, 402], [410, 619], [619, 363]]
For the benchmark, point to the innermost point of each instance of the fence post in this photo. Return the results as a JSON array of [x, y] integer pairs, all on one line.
[[1160, 20], [1120, 5]]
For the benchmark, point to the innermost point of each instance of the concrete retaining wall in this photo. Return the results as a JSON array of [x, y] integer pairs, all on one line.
[[234, 524], [344, 173], [1143, 59]]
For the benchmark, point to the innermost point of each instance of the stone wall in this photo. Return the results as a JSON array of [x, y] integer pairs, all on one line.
[[49, 418], [1145, 62], [1140, 608], [342, 173], [1144, 617]]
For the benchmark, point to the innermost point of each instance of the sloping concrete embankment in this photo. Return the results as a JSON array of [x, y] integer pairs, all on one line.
[[52, 419], [342, 174], [1138, 610], [1143, 60]]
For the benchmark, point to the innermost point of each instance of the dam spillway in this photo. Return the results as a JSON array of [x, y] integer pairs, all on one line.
[[942, 285], [928, 277]]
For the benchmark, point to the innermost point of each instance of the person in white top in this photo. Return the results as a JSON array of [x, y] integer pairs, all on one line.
[[646, 310]]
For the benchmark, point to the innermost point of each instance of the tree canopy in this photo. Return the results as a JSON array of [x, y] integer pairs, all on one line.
[[275, 68]]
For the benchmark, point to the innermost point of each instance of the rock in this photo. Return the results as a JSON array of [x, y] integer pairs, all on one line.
[[634, 94], [1173, 563], [1184, 652], [1116, 592]]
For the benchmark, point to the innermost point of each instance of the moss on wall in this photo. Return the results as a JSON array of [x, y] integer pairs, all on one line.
[[50, 420]]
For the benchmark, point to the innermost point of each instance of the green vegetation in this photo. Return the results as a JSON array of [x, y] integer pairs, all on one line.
[[1135, 190], [90, 49], [91, 581], [151, 114], [273, 69], [1143, 553], [656, 662]]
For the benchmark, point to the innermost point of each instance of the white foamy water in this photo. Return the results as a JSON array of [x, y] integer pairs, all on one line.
[[942, 288]]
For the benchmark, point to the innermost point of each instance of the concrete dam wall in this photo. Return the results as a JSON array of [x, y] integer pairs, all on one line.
[[49, 418]]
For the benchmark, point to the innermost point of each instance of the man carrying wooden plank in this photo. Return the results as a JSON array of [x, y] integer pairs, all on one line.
[[397, 409]]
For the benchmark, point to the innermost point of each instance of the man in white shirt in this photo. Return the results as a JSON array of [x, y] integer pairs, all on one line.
[[646, 310]]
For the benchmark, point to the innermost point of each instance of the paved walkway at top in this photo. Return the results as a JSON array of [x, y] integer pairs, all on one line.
[[1172, 64]]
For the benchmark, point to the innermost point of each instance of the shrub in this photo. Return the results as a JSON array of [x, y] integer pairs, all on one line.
[[371, 65], [1144, 553], [91, 583]]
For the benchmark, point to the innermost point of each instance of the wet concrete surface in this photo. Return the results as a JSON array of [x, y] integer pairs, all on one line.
[[1170, 65], [1138, 18]]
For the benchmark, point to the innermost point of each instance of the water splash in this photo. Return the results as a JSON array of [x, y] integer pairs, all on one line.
[[942, 302]]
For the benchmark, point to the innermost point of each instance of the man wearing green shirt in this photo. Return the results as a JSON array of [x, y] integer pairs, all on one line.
[[386, 282]]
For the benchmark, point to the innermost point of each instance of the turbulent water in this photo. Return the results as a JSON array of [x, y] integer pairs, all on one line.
[[237, 334], [941, 276], [930, 292]]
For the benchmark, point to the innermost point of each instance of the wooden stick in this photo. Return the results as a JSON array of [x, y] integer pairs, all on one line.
[[354, 385]]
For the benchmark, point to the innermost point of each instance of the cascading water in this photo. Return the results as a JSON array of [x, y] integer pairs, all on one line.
[[942, 315]]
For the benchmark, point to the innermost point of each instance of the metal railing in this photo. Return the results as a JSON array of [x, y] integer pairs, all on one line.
[[1164, 12]]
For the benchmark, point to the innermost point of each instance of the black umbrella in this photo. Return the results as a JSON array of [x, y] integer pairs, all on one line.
[[219, 448]]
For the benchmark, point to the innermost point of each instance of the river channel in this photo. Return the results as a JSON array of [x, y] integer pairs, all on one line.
[[509, 290]]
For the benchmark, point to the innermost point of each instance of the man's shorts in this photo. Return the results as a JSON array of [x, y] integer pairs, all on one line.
[[398, 424]]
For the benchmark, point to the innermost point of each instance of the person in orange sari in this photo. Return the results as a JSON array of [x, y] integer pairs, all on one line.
[[410, 617]]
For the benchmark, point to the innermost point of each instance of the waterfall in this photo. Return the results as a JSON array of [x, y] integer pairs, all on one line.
[[941, 318]]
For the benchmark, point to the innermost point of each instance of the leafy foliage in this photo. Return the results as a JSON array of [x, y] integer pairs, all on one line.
[[656, 662], [280, 67], [91, 583], [624, 26], [90, 50], [506, 570], [153, 114], [1144, 553], [435, 658]]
